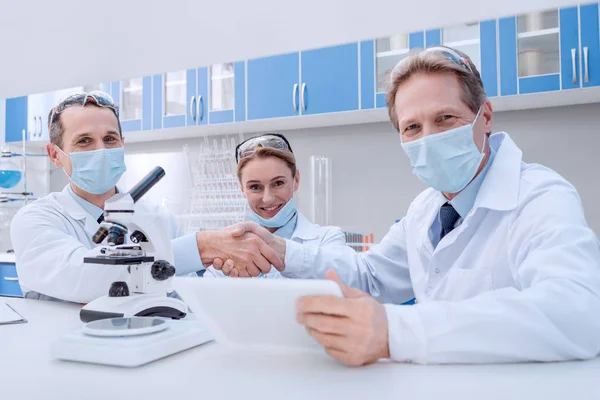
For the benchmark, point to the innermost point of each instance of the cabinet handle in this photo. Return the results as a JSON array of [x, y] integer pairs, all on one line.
[[192, 108], [40, 130], [586, 76], [294, 94], [200, 110], [574, 65], [302, 95], [33, 129], [11, 279]]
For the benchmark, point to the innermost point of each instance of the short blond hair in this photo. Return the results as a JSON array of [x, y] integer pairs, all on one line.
[[266, 152], [435, 62]]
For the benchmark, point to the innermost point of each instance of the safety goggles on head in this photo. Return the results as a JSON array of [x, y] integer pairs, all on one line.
[[451, 55], [270, 140], [96, 97]]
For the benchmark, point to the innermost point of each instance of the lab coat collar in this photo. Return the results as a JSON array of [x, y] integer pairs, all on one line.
[[70, 205], [76, 211], [305, 230], [500, 188]]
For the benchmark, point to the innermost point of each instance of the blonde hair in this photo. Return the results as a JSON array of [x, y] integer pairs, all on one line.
[[434, 62], [266, 152]]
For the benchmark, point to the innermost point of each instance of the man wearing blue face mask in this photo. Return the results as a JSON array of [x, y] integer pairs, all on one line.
[[52, 235], [497, 252]]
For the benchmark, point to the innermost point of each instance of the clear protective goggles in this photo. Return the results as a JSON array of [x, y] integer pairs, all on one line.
[[447, 52], [451, 55], [270, 140], [96, 97]]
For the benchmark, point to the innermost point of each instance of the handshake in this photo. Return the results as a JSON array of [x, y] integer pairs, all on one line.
[[243, 250]]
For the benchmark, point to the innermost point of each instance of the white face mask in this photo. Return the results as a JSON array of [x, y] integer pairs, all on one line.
[[446, 161]]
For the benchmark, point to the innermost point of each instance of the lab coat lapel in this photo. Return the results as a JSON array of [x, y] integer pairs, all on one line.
[[73, 209]]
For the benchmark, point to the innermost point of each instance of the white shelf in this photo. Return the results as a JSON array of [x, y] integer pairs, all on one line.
[[393, 53], [543, 32], [463, 43]]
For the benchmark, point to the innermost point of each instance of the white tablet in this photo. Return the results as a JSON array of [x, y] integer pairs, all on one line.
[[253, 313]]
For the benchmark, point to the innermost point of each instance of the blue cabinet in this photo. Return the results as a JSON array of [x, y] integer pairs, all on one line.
[[9, 282], [134, 98], [324, 80], [273, 86], [199, 96], [367, 74], [540, 52], [16, 118], [590, 44], [329, 79]]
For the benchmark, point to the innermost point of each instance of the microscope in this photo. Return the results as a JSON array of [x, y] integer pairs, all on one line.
[[148, 259]]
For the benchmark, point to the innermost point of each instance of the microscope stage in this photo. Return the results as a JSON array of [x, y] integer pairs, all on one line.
[[118, 260]]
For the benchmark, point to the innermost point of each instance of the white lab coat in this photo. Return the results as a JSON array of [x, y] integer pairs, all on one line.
[[52, 235], [518, 280], [305, 233]]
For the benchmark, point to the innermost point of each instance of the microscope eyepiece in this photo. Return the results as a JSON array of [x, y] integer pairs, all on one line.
[[146, 183]]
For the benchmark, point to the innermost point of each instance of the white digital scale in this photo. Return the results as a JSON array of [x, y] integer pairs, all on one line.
[[129, 342]]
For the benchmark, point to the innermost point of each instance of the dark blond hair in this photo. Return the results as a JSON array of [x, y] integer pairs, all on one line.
[[434, 62], [266, 152]]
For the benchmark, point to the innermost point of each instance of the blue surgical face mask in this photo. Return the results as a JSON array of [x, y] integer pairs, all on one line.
[[97, 171], [446, 161], [280, 219]]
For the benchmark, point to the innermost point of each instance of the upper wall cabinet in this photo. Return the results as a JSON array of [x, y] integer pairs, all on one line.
[[16, 118], [478, 41], [134, 98], [311, 82], [550, 50], [199, 96], [389, 51], [273, 86], [329, 80], [177, 100]]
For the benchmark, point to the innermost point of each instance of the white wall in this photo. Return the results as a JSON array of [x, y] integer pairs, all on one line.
[[184, 34], [372, 179]]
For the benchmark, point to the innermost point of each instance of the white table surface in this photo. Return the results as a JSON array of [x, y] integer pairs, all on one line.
[[7, 257], [212, 372]]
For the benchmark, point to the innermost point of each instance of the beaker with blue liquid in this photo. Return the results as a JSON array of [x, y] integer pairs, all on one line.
[[10, 172]]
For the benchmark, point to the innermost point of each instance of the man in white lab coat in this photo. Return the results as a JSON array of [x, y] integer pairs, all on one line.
[[52, 235], [497, 252]]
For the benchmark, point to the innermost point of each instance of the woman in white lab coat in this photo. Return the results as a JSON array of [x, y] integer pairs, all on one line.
[[268, 179]]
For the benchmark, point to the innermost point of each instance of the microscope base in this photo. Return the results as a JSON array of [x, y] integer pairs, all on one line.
[[131, 351], [140, 305]]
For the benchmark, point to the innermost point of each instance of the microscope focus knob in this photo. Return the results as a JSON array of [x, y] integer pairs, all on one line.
[[162, 270], [137, 237], [118, 289]]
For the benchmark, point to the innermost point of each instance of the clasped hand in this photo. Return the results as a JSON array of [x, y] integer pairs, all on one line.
[[246, 249]]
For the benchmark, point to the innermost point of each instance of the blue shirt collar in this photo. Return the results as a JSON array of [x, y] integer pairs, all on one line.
[[92, 209], [464, 201]]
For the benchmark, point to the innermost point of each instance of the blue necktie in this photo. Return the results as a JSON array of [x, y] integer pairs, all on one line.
[[448, 218]]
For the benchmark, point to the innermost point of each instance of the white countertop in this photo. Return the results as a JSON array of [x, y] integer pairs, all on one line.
[[7, 257], [212, 371]]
